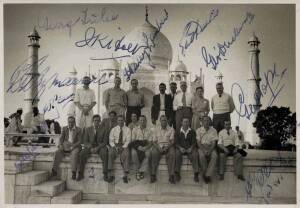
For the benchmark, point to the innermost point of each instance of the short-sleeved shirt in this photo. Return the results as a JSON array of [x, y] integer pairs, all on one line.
[[207, 137], [115, 96], [85, 96], [135, 98], [163, 136], [142, 134], [228, 139], [222, 104]]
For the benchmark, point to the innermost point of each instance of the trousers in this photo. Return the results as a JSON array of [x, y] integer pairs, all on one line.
[[59, 155]]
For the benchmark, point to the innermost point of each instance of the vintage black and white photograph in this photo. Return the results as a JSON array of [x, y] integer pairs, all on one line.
[[143, 103]]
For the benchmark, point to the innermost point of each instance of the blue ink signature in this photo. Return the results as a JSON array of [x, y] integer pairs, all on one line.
[[20, 81], [272, 82], [86, 18], [146, 53], [31, 155], [214, 60], [193, 29]]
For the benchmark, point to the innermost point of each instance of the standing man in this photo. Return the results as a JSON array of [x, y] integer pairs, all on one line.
[[162, 105], [88, 143], [222, 105], [115, 98], [135, 101], [163, 140], [207, 138], [173, 89], [186, 143], [229, 146], [119, 139], [69, 142], [85, 101], [182, 104]]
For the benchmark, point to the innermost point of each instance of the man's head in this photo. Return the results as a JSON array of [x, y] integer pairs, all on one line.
[[143, 121], [19, 111], [86, 80], [183, 86], [96, 120], [120, 120], [35, 110], [227, 125], [237, 128], [162, 88], [134, 84], [206, 121], [173, 87], [6, 122], [134, 118], [71, 122], [117, 81], [219, 88], [200, 91], [185, 123], [163, 121], [112, 115]]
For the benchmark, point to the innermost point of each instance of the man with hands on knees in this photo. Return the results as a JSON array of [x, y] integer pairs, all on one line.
[[119, 139], [207, 138], [69, 142], [228, 145]]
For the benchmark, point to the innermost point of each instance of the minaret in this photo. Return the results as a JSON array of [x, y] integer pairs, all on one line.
[[254, 93], [73, 76]]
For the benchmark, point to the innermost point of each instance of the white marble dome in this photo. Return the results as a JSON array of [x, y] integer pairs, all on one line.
[[110, 64], [180, 67]]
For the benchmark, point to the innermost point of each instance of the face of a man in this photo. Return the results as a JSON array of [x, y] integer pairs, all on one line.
[[86, 81], [112, 116], [35, 110], [134, 118], [120, 121], [96, 121], [227, 125], [71, 122], [163, 122], [117, 82], [200, 92], [220, 89], [185, 123], [162, 89], [134, 84], [206, 122], [183, 87], [173, 88], [143, 122]]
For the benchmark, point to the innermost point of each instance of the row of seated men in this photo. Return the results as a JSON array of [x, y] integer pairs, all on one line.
[[143, 147]]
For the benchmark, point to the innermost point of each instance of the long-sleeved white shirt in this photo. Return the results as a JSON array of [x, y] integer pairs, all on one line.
[[115, 133]]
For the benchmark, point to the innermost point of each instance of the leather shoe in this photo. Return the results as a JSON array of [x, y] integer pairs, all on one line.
[[73, 175], [171, 179], [153, 179], [240, 177], [177, 177], [79, 177], [111, 179], [196, 178], [125, 179]]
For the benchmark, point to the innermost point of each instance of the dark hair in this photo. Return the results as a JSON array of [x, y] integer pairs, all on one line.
[[162, 84], [73, 117], [112, 112], [121, 116], [173, 83], [219, 83], [199, 88], [134, 79], [96, 116]]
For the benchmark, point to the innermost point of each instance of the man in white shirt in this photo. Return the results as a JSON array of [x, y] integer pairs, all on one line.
[[119, 139], [84, 101], [182, 105], [222, 105], [229, 145], [207, 137]]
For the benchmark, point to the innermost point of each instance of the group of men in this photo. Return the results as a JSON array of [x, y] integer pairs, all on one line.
[[138, 145]]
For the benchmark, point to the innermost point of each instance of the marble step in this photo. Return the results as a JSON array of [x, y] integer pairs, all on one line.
[[39, 199], [49, 188], [32, 177], [67, 197], [89, 201], [17, 166]]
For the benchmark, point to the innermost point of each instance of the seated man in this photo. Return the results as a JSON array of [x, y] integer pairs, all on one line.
[[228, 145], [186, 143], [163, 139], [69, 142], [207, 137], [14, 126], [119, 138], [88, 143], [139, 147]]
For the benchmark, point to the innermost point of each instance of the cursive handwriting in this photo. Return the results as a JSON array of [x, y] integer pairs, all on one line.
[[85, 18], [271, 84], [222, 48], [30, 155], [193, 28]]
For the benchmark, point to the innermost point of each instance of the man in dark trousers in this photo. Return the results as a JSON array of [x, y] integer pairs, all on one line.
[[173, 89], [186, 143], [162, 105]]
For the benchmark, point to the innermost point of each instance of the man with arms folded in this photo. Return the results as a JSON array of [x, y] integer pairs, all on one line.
[[229, 146], [186, 143], [163, 139], [207, 138], [119, 138], [69, 142], [88, 143]]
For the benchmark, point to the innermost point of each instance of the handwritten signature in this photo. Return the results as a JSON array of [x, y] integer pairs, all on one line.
[[271, 82], [222, 48], [30, 155], [193, 28], [86, 18]]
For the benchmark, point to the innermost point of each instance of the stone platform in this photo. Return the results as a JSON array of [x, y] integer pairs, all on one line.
[[270, 178]]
